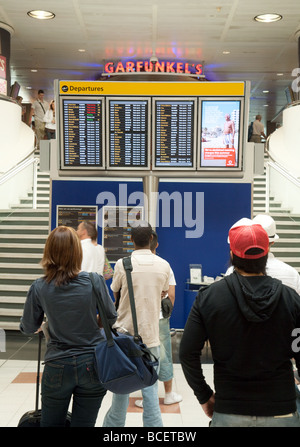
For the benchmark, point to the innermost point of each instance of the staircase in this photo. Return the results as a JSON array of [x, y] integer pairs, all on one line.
[[287, 247], [23, 232]]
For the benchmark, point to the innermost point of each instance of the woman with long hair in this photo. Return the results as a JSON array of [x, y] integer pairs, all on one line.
[[65, 296]]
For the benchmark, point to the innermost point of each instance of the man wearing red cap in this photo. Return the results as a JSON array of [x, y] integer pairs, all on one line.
[[248, 318]]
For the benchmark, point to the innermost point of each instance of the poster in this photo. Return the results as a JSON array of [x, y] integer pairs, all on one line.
[[220, 130]]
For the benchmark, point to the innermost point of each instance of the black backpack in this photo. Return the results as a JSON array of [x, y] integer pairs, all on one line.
[[250, 131]]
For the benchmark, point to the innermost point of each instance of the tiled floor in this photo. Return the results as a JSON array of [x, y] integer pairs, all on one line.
[[18, 372]]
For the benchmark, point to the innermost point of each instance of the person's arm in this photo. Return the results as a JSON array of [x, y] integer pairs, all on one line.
[[33, 314], [192, 343]]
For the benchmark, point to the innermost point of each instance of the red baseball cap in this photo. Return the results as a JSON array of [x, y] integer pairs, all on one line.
[[244, 237]]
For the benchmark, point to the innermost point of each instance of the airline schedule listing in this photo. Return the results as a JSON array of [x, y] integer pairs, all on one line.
[[128, 133], [174, 137], [82, 133]]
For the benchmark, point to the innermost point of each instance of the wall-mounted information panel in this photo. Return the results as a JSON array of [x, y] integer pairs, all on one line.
[[82, 139], [221, 131], [72, 216], [117, 223], [174, 133], [128, 133], [159, 126]]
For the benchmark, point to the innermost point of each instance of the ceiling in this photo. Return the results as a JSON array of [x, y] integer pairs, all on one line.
[[192, 31]]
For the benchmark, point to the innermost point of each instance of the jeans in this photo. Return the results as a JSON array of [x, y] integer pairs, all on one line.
[[116, 415], [236, 420], [71, 376], [165, 361]]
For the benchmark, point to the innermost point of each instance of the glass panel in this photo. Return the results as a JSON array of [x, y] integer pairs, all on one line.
[[283, 192], [18, 190]]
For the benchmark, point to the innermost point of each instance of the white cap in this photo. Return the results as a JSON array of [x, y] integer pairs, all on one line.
[[241, 222], [268, 224]]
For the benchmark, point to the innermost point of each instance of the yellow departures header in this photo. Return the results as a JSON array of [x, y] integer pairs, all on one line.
[[152, 88]]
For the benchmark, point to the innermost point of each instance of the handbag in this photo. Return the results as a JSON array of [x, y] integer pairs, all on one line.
[[123, 362]]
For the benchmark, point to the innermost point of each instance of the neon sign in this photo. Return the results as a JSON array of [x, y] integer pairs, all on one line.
[[164, 67]]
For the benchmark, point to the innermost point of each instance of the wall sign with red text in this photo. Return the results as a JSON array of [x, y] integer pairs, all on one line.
[[163, 67]]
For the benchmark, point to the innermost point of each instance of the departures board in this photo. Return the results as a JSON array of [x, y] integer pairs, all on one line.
[[82, 129], [174, 133], [128, 133], [163, 132]]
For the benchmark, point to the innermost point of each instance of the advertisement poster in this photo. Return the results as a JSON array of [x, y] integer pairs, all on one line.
[[220, 127]]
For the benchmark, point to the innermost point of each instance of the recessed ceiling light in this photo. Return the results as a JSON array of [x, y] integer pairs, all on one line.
[[29, 88], [279, 74], [33, 70], [41, 15], [267, 18], [81, 50], [266, 105], [266, 91], [226, 52]]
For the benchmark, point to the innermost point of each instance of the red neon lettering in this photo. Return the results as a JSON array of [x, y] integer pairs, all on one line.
[[139, 65], [160, 66], [170, 67], [129, 66], [179, 67], [148, 66], [199, 69], [120, 68], [109, 67], [186, 68]]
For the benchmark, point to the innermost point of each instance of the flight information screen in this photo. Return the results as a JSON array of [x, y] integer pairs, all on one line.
[[128, 127], [174, 133], [82, 127]]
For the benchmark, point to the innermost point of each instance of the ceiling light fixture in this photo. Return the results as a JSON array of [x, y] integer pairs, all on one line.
[[41, 15], [33, 70], [266, 91], [81, 50], [279, 74], [226, 52], [268, 18]]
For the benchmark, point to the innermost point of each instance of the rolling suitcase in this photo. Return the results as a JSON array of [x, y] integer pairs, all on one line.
[[33, 418]]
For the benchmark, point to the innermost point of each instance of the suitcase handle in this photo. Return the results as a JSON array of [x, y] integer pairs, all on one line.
[[40, 334]]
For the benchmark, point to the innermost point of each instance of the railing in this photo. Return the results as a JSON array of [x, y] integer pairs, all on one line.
[[281, 184], [19, 180]]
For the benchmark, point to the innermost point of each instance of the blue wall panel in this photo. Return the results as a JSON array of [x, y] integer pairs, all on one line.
[[224, 204]]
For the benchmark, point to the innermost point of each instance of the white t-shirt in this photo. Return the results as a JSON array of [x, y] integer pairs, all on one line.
[[92, 261], [150, 277]]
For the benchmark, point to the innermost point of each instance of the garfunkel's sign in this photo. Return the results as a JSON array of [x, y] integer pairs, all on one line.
[[148, 66]]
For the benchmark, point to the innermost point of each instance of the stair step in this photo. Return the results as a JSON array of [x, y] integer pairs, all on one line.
[[10, 312], [10, 325], [27, 206], [12, 300]]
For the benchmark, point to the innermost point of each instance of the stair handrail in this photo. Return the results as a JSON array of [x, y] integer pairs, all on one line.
[[12, 172], [280, 169]]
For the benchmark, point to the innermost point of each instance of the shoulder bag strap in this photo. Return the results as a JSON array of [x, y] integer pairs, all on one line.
[[101, 310], [128, 269]]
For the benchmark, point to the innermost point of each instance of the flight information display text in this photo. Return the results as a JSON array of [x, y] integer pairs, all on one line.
[[174, 133], [128, 133], [82, 133]]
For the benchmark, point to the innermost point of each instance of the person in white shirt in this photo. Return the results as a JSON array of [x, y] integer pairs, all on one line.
[[275, 268], [150, 278], [166, 362], [92, 258], [39, 108], [258, 130]]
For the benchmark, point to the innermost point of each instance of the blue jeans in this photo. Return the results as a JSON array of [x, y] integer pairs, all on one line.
[[165, 361], [66, 377], [116, 415], [236, 420]]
